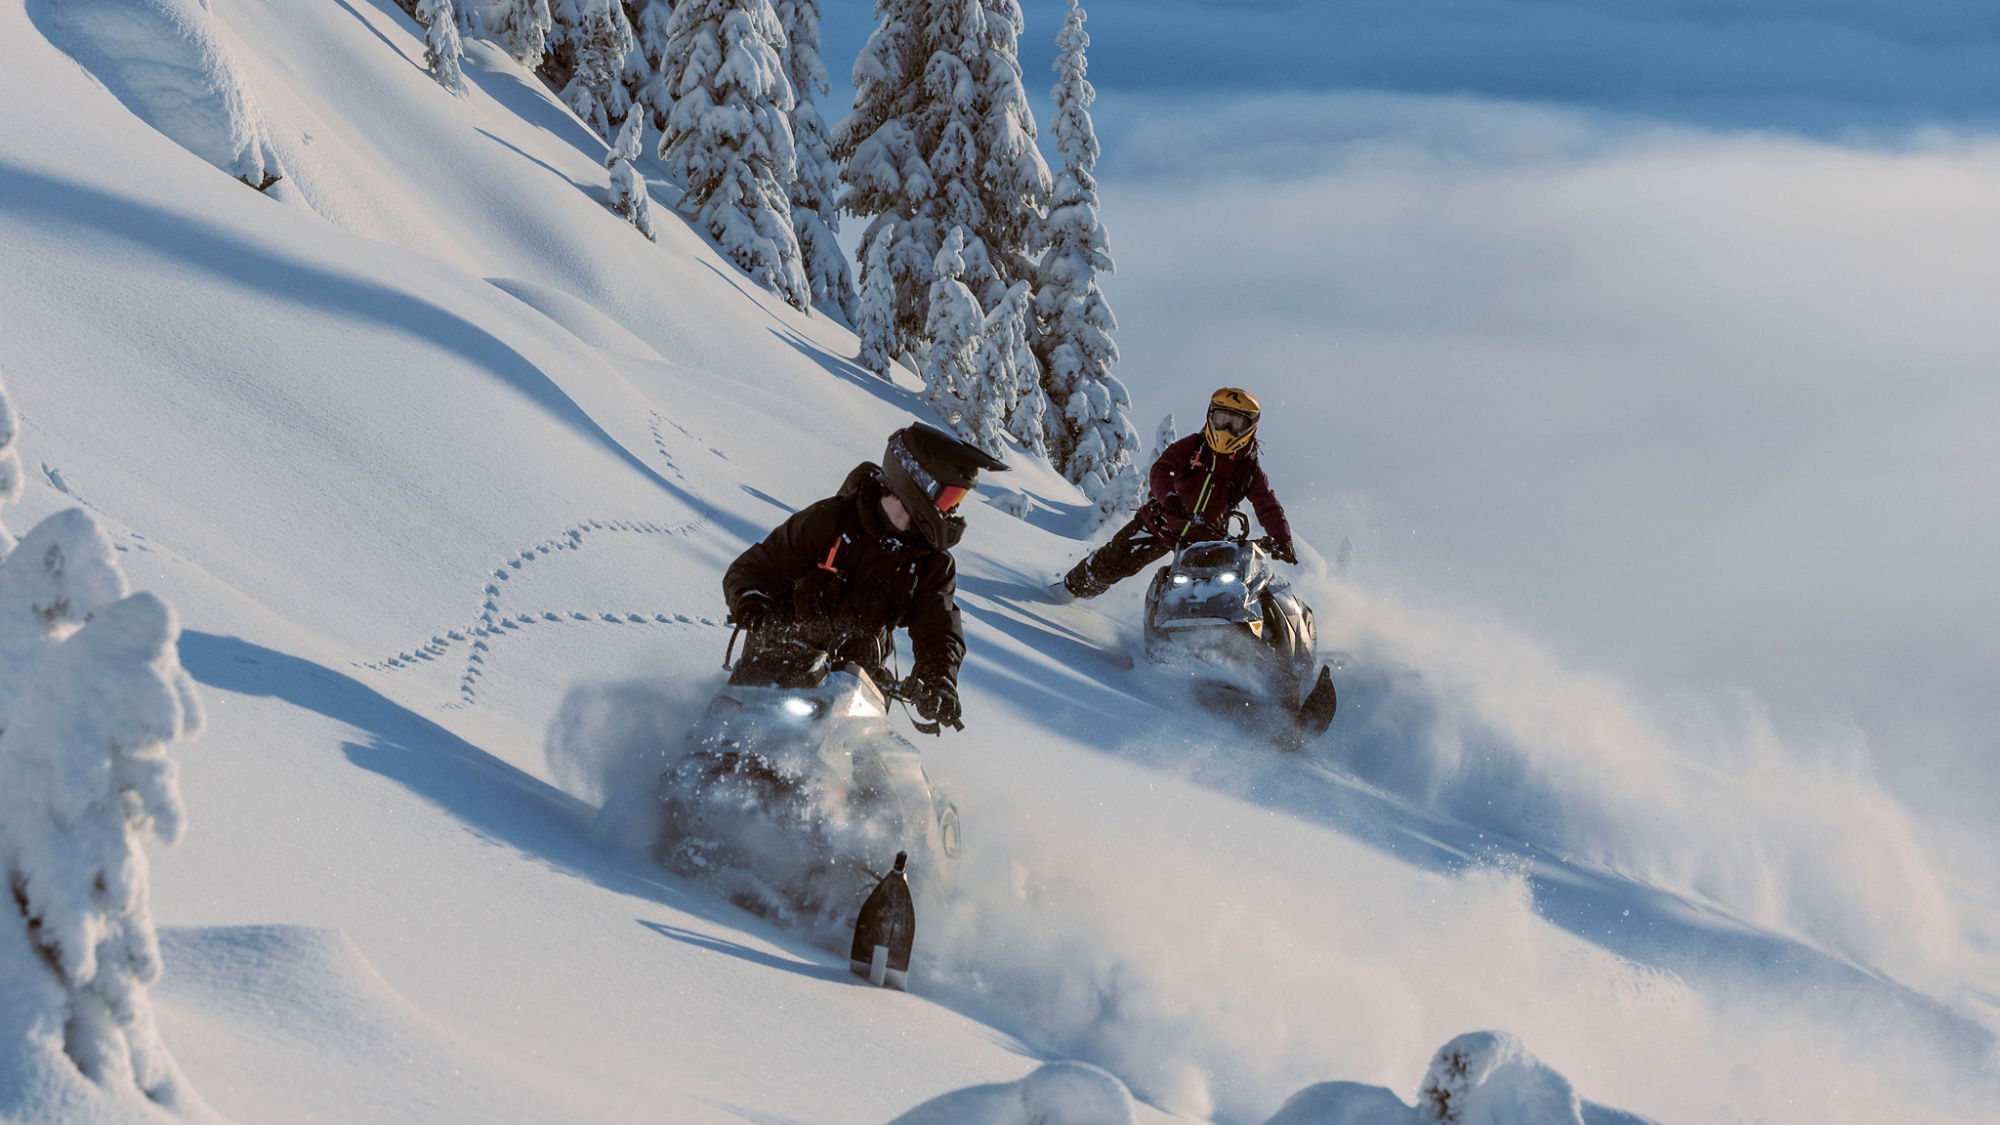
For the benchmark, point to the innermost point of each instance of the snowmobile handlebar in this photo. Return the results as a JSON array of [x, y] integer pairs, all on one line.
[[905, 691]]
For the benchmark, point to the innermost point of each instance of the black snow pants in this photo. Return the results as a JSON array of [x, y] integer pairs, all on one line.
[[1129, 552]]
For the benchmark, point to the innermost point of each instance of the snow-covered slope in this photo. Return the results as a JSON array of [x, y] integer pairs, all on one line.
[[425, 442]]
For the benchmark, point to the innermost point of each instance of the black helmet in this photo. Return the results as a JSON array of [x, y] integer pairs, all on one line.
[[930, 471]]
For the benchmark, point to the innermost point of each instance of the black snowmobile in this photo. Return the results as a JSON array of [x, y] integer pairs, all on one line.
[[794, 793], [1221, 612]]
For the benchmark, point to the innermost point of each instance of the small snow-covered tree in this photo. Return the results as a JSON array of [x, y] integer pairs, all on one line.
[[1006, 396], [10, 466], [729, 137], [597, 47], [522, 27], [953, 331], [1097, 442], [62, 571], [644, 84], [1166, 435], [815, 184], [628, 187], [83, 776], [875, 316], [442, 48], [940, 138]]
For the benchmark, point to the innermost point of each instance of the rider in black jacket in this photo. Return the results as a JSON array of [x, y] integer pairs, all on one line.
[[844, 572]]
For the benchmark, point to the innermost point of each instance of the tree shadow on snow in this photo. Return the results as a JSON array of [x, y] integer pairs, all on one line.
[[848, 371], [496, 801], [221, 253]]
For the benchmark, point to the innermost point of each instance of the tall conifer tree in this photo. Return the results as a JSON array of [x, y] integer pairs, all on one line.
[[1095, 443], [941, 138], [729, 136], [816, 185]]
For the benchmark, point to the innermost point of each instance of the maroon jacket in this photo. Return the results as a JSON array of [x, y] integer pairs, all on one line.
[[1211, 484]]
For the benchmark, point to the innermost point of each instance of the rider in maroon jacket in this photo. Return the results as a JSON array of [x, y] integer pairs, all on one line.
[[1196, 482]]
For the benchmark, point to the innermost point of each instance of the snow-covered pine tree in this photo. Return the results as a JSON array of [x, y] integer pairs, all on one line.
[[83, 776], [940, 137], [1166, 435], [643, 83], [729, 137], [522, 27], [442, 48], [1097, 442], [10, 466], [875, 313], [628, 187], [598, 46], [1014, 180], [62, 571], [1006, 393], [816, 183], [953, 330]]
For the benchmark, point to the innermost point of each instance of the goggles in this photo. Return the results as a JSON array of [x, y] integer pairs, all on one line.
[[948, 498], [1231, 421]]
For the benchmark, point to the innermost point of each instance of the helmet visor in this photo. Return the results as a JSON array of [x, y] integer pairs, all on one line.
[[949, 496], [1228, 421]]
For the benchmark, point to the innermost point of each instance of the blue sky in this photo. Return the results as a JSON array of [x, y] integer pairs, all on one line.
[[1803, 64]]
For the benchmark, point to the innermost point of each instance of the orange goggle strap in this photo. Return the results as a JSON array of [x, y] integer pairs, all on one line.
[[949, 497]]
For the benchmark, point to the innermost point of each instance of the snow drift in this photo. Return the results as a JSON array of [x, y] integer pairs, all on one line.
[[167, 61], [1057, 1093]]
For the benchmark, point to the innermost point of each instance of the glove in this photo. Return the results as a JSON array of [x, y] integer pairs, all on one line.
[[937, 701], [1281, 549], [753, 611]]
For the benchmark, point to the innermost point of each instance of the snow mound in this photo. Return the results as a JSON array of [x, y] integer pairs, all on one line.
[[1480, 1078], [1344, 1103], [330, 1038], [1059, 1093], [166, 60], [1489, 1078], [578, 318]]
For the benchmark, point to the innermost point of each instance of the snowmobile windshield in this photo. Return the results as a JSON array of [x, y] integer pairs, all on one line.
[[786, 664], [1209, 556]]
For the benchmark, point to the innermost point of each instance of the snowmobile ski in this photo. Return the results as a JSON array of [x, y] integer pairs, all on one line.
[[885, 931], [1314, 715]]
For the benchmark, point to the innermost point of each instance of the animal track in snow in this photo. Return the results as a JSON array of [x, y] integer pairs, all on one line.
[[660, 441], [492, 624]]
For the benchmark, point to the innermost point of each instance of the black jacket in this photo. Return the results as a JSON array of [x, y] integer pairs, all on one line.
[[842, 576]]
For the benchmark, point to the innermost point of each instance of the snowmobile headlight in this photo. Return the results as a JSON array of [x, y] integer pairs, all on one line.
[[1226, 577], [1182, 580], [862, 708], [801, 708]]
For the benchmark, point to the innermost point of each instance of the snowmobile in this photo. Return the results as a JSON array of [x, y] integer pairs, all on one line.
[[1222, 613], [793, 793]]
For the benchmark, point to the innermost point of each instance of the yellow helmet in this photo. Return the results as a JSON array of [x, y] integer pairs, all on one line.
[[1232, 420]]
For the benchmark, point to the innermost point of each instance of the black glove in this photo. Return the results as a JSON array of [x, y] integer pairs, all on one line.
[[1281, 549], [753, 611], [937, 700]]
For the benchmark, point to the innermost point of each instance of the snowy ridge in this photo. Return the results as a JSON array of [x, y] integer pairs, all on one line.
[[438, 373]]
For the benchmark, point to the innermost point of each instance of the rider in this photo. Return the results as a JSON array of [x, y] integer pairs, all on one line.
[[1196, 482], [844, 572]]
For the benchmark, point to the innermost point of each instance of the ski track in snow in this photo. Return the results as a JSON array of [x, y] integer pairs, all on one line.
[[491, 624]]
